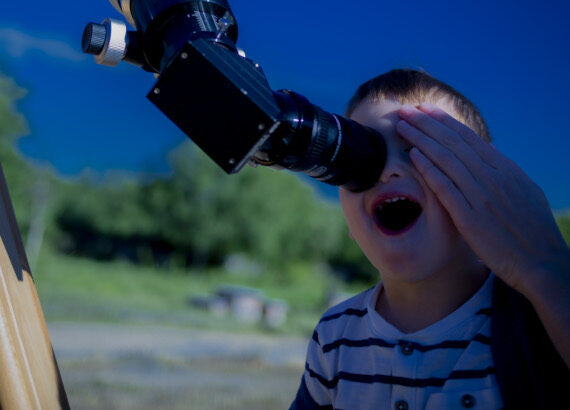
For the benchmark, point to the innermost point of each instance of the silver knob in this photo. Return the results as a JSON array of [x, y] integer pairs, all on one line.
[[106, 41]]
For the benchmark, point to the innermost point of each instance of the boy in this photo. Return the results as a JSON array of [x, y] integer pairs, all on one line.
[[473, 309]]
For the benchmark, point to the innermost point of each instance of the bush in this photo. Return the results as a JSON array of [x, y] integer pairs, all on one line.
[[204, 214], [564, 225]]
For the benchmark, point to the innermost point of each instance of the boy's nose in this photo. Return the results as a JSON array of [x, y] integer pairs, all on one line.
[[385, 177], [395, 167]]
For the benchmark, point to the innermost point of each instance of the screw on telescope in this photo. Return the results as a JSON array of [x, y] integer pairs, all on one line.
[[225, 24]]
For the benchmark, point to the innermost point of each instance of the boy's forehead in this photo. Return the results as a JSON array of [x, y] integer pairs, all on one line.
[[376, 109], [372, 110]]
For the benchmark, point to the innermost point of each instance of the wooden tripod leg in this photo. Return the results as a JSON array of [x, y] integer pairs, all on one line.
[[29, 375]]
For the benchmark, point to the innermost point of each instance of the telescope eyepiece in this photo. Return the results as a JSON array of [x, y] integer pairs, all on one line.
[[94, 37], [106, 41]]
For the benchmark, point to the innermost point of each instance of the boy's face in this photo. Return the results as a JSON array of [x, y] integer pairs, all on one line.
[[423, 241]]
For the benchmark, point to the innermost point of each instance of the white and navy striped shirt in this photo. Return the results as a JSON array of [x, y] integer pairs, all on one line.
[[356, 360]]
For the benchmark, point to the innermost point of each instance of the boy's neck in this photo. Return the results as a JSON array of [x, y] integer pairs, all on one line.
[[411, 307]]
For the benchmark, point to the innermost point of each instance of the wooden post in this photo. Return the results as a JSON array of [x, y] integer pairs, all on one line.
[[29, 376]]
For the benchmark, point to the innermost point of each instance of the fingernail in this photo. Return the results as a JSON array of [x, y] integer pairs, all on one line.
[[427, 106], [406, 109]]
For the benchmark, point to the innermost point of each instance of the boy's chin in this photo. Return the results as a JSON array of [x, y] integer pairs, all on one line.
[[420, 251], [415, 260], [405, 270], [407, 276], [423, 262]]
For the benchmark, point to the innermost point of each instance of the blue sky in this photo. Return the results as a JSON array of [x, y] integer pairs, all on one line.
[[511, 58]]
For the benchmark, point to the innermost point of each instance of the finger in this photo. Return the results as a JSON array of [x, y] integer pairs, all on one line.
[[447, 137], [447, 161], [506, 175], [486, 151], [432, 127], [446, 191]]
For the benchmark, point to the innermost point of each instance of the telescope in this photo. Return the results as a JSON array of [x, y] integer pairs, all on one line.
[[222, 100]]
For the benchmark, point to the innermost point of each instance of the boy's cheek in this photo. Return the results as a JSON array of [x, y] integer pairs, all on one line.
[[346, 203], [348, 200], [354, 211]]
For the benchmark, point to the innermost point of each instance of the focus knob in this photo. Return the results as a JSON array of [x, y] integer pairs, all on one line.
[[106, 41]]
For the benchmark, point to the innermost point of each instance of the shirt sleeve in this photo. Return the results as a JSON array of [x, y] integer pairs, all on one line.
[[313, 389], [304, 400]]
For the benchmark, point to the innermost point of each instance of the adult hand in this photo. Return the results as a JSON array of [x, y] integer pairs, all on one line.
[[500, 212]]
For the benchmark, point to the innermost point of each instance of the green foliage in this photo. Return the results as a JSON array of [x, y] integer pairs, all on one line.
[[270, 212], [18, 173], [205, 214], [82, 289], [564, 225], [12, 123]]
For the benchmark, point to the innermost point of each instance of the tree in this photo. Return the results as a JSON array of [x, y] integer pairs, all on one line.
[[268, 214], [12, 124], [18, 173], [200, 215], [564, 225]]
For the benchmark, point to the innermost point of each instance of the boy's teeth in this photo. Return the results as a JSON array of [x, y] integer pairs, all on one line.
[[396, 213], [399, 198], [391, 200]]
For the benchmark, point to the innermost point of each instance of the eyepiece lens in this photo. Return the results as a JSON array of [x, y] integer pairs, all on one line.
[[94, 36]]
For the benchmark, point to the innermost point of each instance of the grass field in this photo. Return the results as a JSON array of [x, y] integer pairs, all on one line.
[[139, 367], [81, 293], [80, 289], [119, 384]]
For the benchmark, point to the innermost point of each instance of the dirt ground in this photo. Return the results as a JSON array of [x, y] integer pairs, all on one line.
[[109, 366]]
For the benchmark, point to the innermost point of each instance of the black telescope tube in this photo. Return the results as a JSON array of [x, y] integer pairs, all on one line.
[[145, 11], [324, 146], [232, 113], [169, 24]]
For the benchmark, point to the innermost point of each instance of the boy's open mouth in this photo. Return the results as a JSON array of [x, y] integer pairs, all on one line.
[[397, 214]]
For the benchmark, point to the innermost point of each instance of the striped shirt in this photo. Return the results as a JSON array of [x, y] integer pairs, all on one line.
[[357, 360]]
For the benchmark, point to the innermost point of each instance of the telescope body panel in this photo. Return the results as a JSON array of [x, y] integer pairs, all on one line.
[[220, 100]]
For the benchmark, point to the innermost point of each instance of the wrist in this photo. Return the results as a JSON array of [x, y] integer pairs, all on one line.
[[550, 277]]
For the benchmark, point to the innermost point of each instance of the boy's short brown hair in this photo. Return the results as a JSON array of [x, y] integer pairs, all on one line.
[[408, 86]]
